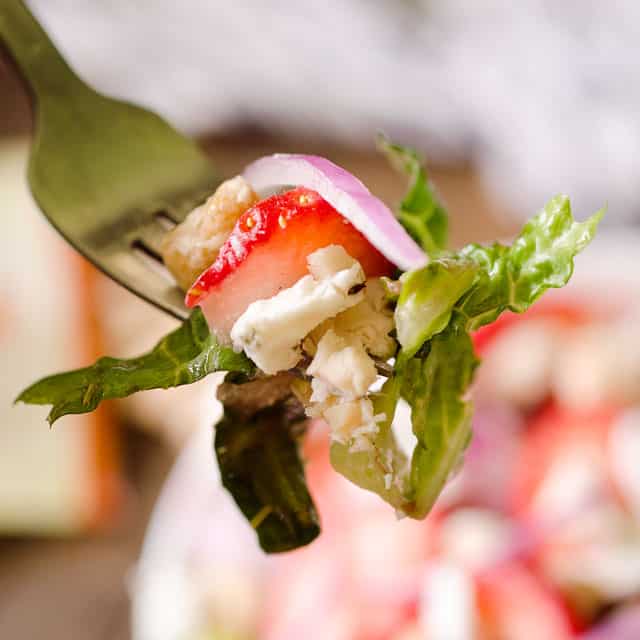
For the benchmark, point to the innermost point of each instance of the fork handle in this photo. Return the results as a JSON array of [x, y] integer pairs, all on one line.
[[41, 64]]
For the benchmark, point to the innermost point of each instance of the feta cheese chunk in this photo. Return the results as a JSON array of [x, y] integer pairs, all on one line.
[[339, 318], [271, 331], [342, 374], [342, 363], [353, 423], [194, 244], [370, 321]]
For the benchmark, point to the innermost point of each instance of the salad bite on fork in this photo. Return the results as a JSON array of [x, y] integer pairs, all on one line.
[[321, 303]]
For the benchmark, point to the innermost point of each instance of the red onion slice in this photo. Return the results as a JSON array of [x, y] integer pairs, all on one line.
[[624, 624], [347, 195]]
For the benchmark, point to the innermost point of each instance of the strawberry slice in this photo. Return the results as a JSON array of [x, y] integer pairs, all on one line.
[[267, 251]]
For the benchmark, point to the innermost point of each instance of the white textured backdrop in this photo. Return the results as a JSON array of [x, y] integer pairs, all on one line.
[[543, 95]]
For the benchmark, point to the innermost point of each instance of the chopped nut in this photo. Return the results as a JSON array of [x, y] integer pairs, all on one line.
[[193, 246], [249, 398]]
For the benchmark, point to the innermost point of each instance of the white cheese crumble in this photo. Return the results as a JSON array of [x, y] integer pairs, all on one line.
[[271, 331], [369, 322], [352, 422], [339, 319], [342, 370], [342, 363]]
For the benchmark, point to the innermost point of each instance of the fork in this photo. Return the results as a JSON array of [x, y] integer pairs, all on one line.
[[111, 177]]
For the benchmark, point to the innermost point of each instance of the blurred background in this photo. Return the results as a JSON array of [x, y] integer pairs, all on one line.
[[539, 535]]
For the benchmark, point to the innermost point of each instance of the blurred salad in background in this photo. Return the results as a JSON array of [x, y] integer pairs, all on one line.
[[319, 302], [538, 535]]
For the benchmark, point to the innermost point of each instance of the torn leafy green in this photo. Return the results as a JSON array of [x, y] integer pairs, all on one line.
[[421, 212], [541, 257], [437, 307], [427, 298], [435, 386], [382, 468], [183, 356], [261, 468]]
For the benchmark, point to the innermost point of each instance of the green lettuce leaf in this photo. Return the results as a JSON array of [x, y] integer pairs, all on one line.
[[184, 356], [482, 282], [260, 466], [435, 383], [435, 386], [382, 469], [427, 298], [421, 213], [540, 258], [437, 307]]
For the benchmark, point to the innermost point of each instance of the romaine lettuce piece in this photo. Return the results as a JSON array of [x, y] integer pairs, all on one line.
[[384, 467], [183, 356], [436, 385], [438, 305], [427, 298], [540, 258], [421, 213]]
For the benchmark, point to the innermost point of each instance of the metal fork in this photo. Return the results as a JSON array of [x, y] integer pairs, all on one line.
[[111, 177]]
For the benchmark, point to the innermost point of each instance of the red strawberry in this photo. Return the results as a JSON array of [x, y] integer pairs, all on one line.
[[558, 441], [513, 603], [566, 314], [267, 252]]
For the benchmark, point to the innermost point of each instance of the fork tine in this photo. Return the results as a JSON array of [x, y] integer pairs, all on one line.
[[148, 278], [165, 220], [151, 235]]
